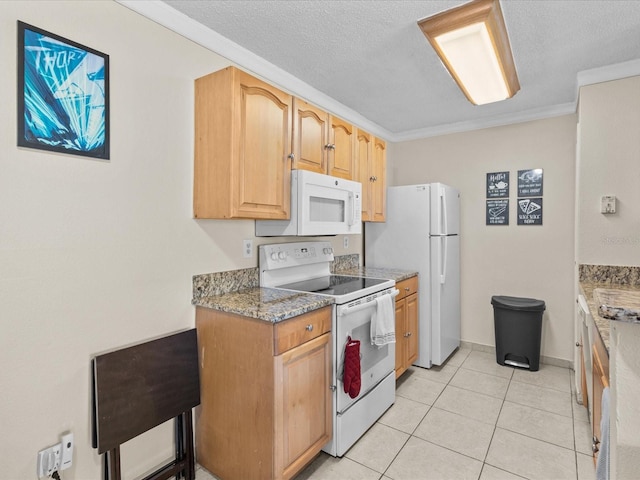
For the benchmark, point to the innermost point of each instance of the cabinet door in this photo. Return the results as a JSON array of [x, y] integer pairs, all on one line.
[[364, 160], [401, 313], [303, 420], [310, 137], [242, 145], [342, 151], [412, 330], [262, 174], [379, 184]]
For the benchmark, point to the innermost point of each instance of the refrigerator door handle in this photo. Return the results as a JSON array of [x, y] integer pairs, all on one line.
[[443, 273], [443, 196]]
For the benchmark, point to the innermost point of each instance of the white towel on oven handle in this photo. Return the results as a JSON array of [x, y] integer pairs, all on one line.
[[383, 328]]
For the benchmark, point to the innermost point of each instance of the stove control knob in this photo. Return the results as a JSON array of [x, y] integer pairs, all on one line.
[[282, 255], [327, 251], [274, 256]]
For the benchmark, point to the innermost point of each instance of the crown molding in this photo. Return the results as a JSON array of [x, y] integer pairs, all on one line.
[[169, 17], [185, 26], [616, 71], [488, 122]]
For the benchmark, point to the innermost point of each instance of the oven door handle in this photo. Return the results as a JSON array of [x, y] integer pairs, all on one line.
[[362, 306]]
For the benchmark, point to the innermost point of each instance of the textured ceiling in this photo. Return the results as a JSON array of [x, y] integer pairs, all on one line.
[[371, 56]]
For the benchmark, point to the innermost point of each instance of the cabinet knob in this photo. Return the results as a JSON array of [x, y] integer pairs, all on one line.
[[330, 146], [578, 344], [407, 289], [291, 156], [309, 328], [408, 334], [332, 388], [373, 178]]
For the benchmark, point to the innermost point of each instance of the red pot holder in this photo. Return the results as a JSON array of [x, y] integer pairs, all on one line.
[[351, 374]]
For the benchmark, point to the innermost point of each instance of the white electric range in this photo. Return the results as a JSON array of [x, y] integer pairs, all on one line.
[[306, 267]]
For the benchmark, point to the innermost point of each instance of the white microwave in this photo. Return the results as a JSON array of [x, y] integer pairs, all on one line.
[[320, 205]]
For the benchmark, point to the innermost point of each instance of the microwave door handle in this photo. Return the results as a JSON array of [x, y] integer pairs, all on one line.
[[352, 209]]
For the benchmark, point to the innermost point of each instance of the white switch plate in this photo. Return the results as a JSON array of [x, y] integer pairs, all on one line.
[[345, 242], [608, 204], [247, 248], [49, 460]]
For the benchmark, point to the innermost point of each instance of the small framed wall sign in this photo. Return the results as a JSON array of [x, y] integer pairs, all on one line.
[[63, 94], [530, 211], [498, 185], [497, 211], [530, 183]]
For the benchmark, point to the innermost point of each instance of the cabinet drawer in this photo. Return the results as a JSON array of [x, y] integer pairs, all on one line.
[[301, 329], [407, 287]]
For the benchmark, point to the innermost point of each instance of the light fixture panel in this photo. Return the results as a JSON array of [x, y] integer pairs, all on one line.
[[472, 42]]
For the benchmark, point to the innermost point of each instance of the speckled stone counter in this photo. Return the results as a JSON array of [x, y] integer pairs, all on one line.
[[268, 304], [238, 291], [591, 277], [387, 273]]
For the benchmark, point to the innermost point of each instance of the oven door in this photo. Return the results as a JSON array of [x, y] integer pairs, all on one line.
[[354, 320]]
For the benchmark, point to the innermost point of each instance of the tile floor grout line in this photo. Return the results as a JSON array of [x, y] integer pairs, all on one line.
[[495, 426]]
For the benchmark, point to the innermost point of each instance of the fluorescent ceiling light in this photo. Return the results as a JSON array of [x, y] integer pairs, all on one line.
[[472, 42]]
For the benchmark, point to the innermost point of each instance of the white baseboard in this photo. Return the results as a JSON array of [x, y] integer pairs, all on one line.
[[557, 362]]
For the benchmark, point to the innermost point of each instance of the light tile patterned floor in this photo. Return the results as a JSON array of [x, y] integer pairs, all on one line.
[[470, 419]]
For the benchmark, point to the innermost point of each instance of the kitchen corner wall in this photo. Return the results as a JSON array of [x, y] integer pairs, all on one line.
[[523, 261], [609, 164], [97, 255]]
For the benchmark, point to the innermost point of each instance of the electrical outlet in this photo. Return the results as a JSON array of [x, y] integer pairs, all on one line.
[[247, 248], [345, 242], [49, 460], [66, 457]]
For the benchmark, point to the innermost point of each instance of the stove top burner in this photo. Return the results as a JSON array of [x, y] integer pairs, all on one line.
[[336, 285]]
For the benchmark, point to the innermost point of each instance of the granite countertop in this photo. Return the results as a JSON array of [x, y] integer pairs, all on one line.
[[268, 304], [593, 293], [373, 272], [238, 291]]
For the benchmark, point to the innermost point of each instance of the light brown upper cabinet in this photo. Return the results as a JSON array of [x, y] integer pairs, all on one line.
[[243, 131], [322, 143], [371, 158]]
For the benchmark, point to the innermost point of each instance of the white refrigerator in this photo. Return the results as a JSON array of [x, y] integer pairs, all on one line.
[[421, 233]]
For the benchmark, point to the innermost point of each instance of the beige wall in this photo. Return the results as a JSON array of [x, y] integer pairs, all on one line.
[[524, 261], [609, 164], [95, 255]]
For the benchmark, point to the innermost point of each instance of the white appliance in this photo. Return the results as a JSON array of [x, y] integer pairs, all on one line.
[[583, 339], [422, 233], [320, 205], [305, 267]]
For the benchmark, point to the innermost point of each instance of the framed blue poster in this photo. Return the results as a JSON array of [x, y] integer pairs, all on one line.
[[63, 94]]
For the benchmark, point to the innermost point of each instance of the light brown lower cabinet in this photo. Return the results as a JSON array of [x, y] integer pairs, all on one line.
[[265, 393], [406, 324]]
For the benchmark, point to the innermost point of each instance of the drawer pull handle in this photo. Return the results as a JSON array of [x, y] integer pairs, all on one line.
[[406, 289], [309, 328]]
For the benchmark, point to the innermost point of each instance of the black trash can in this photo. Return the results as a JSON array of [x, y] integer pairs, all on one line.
[[518, 328]]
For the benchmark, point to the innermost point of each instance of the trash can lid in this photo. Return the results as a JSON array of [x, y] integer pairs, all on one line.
[[518, 303]]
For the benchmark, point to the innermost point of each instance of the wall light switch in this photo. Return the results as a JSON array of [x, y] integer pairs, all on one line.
[[608, 204]]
